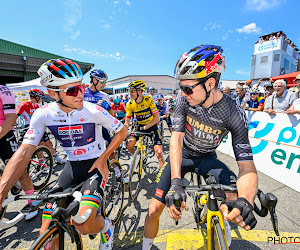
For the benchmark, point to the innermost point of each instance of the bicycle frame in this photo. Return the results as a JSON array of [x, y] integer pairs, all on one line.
[[213, 210], [141, 147]]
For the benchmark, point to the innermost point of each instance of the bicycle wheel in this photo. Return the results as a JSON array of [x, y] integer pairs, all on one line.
[[135, 174], [112, 205], [218, 240], [52, 233], [40, 173]]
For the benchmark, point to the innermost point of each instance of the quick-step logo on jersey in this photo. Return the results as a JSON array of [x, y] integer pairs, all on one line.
[[70, 130]]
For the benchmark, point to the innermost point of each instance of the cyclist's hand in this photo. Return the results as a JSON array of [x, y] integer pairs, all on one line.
[[176, 187], [99, 102], [241, 214], [101, 165]]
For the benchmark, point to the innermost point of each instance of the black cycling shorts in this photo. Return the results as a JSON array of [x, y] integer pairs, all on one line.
[[201, 165], [8, 145], [105, 135], [168, 121], [76, 172], [157, 136]]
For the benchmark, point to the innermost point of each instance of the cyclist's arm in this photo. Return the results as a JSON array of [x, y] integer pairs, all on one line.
[[247, 180], [15, 168], [176, 143], [10, 120]]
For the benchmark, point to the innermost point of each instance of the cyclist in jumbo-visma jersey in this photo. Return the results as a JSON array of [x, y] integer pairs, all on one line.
[[203, 117], [147, 116], [78, 127]]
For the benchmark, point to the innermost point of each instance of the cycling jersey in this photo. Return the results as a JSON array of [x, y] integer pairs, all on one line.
[[7, 103], [205, 128], [164, 109], [143, 111], [94, 97], [79, 131], [256, 103], [120, 110], [26, 110]]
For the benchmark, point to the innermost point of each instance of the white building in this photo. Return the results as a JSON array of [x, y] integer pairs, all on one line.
[[164, 84]]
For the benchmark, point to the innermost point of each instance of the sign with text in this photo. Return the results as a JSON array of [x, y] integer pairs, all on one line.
[[275, 143]]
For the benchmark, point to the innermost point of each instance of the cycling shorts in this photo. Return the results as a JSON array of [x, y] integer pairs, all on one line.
[[76, 172], [8, 145], [157, 136], [200, 165], [168, 121]]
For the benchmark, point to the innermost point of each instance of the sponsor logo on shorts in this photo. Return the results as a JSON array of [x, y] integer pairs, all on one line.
[[97, 194], [49, 205], [102, 185], [243, 146], [159, 193], [94, 177], [86, 192], [245, 154]]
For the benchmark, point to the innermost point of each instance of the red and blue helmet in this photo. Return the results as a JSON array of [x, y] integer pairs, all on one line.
[[58, 72], [36, 92], [99, 74], [117, 100], [200, 62]]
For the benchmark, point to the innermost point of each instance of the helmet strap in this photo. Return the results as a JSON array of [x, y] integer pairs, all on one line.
[[207, 94], [61, 102]]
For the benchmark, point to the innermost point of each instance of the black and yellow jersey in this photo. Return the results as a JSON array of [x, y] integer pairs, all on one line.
[[143, 111]]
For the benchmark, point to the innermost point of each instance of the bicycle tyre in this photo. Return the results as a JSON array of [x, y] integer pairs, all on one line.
[[113, 200], [135, 175], [39, 175], [218, 239], [2, 212], [52, 232]]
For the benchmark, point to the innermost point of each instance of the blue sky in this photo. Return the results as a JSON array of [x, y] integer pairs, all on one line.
[[138, 37]]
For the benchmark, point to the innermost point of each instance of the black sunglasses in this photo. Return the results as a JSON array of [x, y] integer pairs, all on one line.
[[188, 90]]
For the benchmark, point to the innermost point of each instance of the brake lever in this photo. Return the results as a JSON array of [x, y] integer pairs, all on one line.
[[274, 221]]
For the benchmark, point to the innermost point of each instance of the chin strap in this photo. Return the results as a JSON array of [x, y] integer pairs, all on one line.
[[207, 94], [61, 102]]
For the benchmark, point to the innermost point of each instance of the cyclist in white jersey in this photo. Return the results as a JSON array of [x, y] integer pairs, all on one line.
[[78, 127]]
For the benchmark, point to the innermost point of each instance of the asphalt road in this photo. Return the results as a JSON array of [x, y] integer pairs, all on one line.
[[129, 230]]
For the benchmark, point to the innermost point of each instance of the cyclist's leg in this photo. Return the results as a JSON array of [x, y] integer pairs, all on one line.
[[157, 145], [169, 123], [65, 179], [92, 193], [130, 143], [157, 204]]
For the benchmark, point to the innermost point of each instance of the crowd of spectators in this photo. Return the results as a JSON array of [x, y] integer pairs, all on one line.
[[274, 36], [272, 97]]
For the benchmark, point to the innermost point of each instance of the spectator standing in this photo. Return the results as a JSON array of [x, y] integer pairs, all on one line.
[[281, 100], [253, 104], [296, 89], [241, 94], [269, 90], [226, 90]]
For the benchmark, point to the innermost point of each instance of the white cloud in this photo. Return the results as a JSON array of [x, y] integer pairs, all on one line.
[[249, 28], [261, 5], [212, 26], [106, 26], [116, 56], [127, 3], [72, 16], [241, 72]]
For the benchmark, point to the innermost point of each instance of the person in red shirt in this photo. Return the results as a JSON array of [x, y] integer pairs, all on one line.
[[119, 109]]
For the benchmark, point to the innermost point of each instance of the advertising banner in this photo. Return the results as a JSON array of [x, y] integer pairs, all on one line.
[[267, 46], [275, 143]]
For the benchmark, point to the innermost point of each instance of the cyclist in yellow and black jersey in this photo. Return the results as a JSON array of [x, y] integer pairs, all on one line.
[[147, 116]]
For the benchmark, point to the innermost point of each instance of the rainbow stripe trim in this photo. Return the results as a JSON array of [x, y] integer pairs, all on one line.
[[90, 200], [105, 236], [47, 214]]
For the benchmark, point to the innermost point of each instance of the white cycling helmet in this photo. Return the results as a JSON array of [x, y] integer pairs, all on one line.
[[58, 72], [255, 90]]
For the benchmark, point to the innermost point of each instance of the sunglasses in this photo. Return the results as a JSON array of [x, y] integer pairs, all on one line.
[[188, 90], [72, 91], [253, 93], [132, 90]]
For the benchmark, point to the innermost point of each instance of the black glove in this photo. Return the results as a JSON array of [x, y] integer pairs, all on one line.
[[246, 211], [176, 186]]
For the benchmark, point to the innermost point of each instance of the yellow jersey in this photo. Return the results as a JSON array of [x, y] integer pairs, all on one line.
[[143, 111]]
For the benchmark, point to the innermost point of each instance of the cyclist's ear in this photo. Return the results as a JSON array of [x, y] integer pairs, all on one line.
[[53, 94]]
